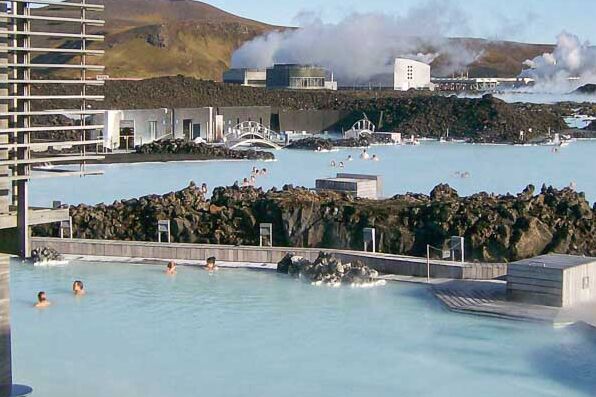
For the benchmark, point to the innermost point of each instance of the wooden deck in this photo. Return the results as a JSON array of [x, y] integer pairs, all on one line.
[[489, 299]]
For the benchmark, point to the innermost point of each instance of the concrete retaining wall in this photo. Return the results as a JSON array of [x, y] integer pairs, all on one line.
[[5, 352], [385, 263]]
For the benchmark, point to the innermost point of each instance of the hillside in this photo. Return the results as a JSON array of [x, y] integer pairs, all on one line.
[[149, 38], [152, 38], [501, 58]]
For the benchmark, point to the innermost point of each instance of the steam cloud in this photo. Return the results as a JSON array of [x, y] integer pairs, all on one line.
[[570, 59], [362, 47]]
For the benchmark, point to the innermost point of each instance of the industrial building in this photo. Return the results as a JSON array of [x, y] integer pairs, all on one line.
[[299, 77], [480, 84], [553, 280], [410, 74], [246, 77]]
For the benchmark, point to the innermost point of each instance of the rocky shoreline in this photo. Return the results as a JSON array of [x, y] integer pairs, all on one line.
[[202, 151], [496, 228]]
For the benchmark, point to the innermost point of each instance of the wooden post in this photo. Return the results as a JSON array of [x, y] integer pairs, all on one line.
[[5, 352]]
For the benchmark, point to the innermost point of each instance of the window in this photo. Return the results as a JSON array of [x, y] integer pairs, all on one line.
[[586, 283]]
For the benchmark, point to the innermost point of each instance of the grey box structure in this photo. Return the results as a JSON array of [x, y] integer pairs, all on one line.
[[553, 280], [362, 186]]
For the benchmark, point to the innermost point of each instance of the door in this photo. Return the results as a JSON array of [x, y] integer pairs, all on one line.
[[186, 127], [196, 131], [152, 130]]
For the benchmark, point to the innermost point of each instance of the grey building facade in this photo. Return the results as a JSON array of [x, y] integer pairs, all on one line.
[[296, 77], [246, 77]]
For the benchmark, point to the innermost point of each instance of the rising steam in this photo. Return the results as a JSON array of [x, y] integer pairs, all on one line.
[[571, 64], [363, 47]]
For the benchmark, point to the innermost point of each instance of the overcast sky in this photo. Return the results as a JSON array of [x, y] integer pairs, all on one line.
[[536, 21]]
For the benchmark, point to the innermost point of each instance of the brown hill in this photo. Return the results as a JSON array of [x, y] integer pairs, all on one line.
[[501, 58], [149, 38], [152, 38]]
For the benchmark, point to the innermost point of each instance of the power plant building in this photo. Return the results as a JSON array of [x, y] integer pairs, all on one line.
[[246, 77], [410, 74], [299, 77]]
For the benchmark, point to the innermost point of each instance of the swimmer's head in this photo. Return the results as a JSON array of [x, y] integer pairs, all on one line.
[[211, 262], [77, 286], [41, 296], [171, 265]]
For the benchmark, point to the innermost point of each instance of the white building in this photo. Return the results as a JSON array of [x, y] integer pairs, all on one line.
[[410, 74]]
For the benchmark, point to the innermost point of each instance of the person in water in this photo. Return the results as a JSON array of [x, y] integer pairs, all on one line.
[[245, 182], [42, 300], [333, 163], [264, 171], [171, 268], [204, 189], [350, 157], [364, 155], [78, 288], [211, 264], [375, 157], [341, 164]]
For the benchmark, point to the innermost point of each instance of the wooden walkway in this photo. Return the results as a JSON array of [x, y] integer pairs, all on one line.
[[489, 299]]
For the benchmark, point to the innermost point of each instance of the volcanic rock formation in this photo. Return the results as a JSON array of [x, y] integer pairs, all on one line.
[[495, 227]]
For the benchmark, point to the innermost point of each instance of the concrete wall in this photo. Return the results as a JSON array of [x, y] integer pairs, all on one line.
[[391, 264], [377, 178], [233, 115], [5, 344], [312, 121]]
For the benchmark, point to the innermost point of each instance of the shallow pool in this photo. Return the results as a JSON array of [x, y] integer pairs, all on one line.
[[256, 333]]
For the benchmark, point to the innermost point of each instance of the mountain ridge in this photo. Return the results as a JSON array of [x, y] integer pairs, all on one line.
[[156, 38]]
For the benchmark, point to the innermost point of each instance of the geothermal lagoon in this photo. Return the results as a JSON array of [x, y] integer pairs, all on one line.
[[418, 169], [258, 333]]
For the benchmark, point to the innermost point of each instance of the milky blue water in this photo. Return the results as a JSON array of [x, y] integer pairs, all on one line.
[[492, 168], [140, 333]]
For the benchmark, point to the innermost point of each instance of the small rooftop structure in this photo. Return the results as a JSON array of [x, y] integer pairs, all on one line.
[[359, 185], [552, 280]]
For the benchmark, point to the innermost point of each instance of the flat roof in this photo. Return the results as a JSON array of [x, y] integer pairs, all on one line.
[[556, 261], [345, 180]]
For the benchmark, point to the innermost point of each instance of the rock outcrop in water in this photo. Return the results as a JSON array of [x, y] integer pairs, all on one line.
[[316, 143], [201, 150], [327, 269], [45, 255], [496, 227]]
